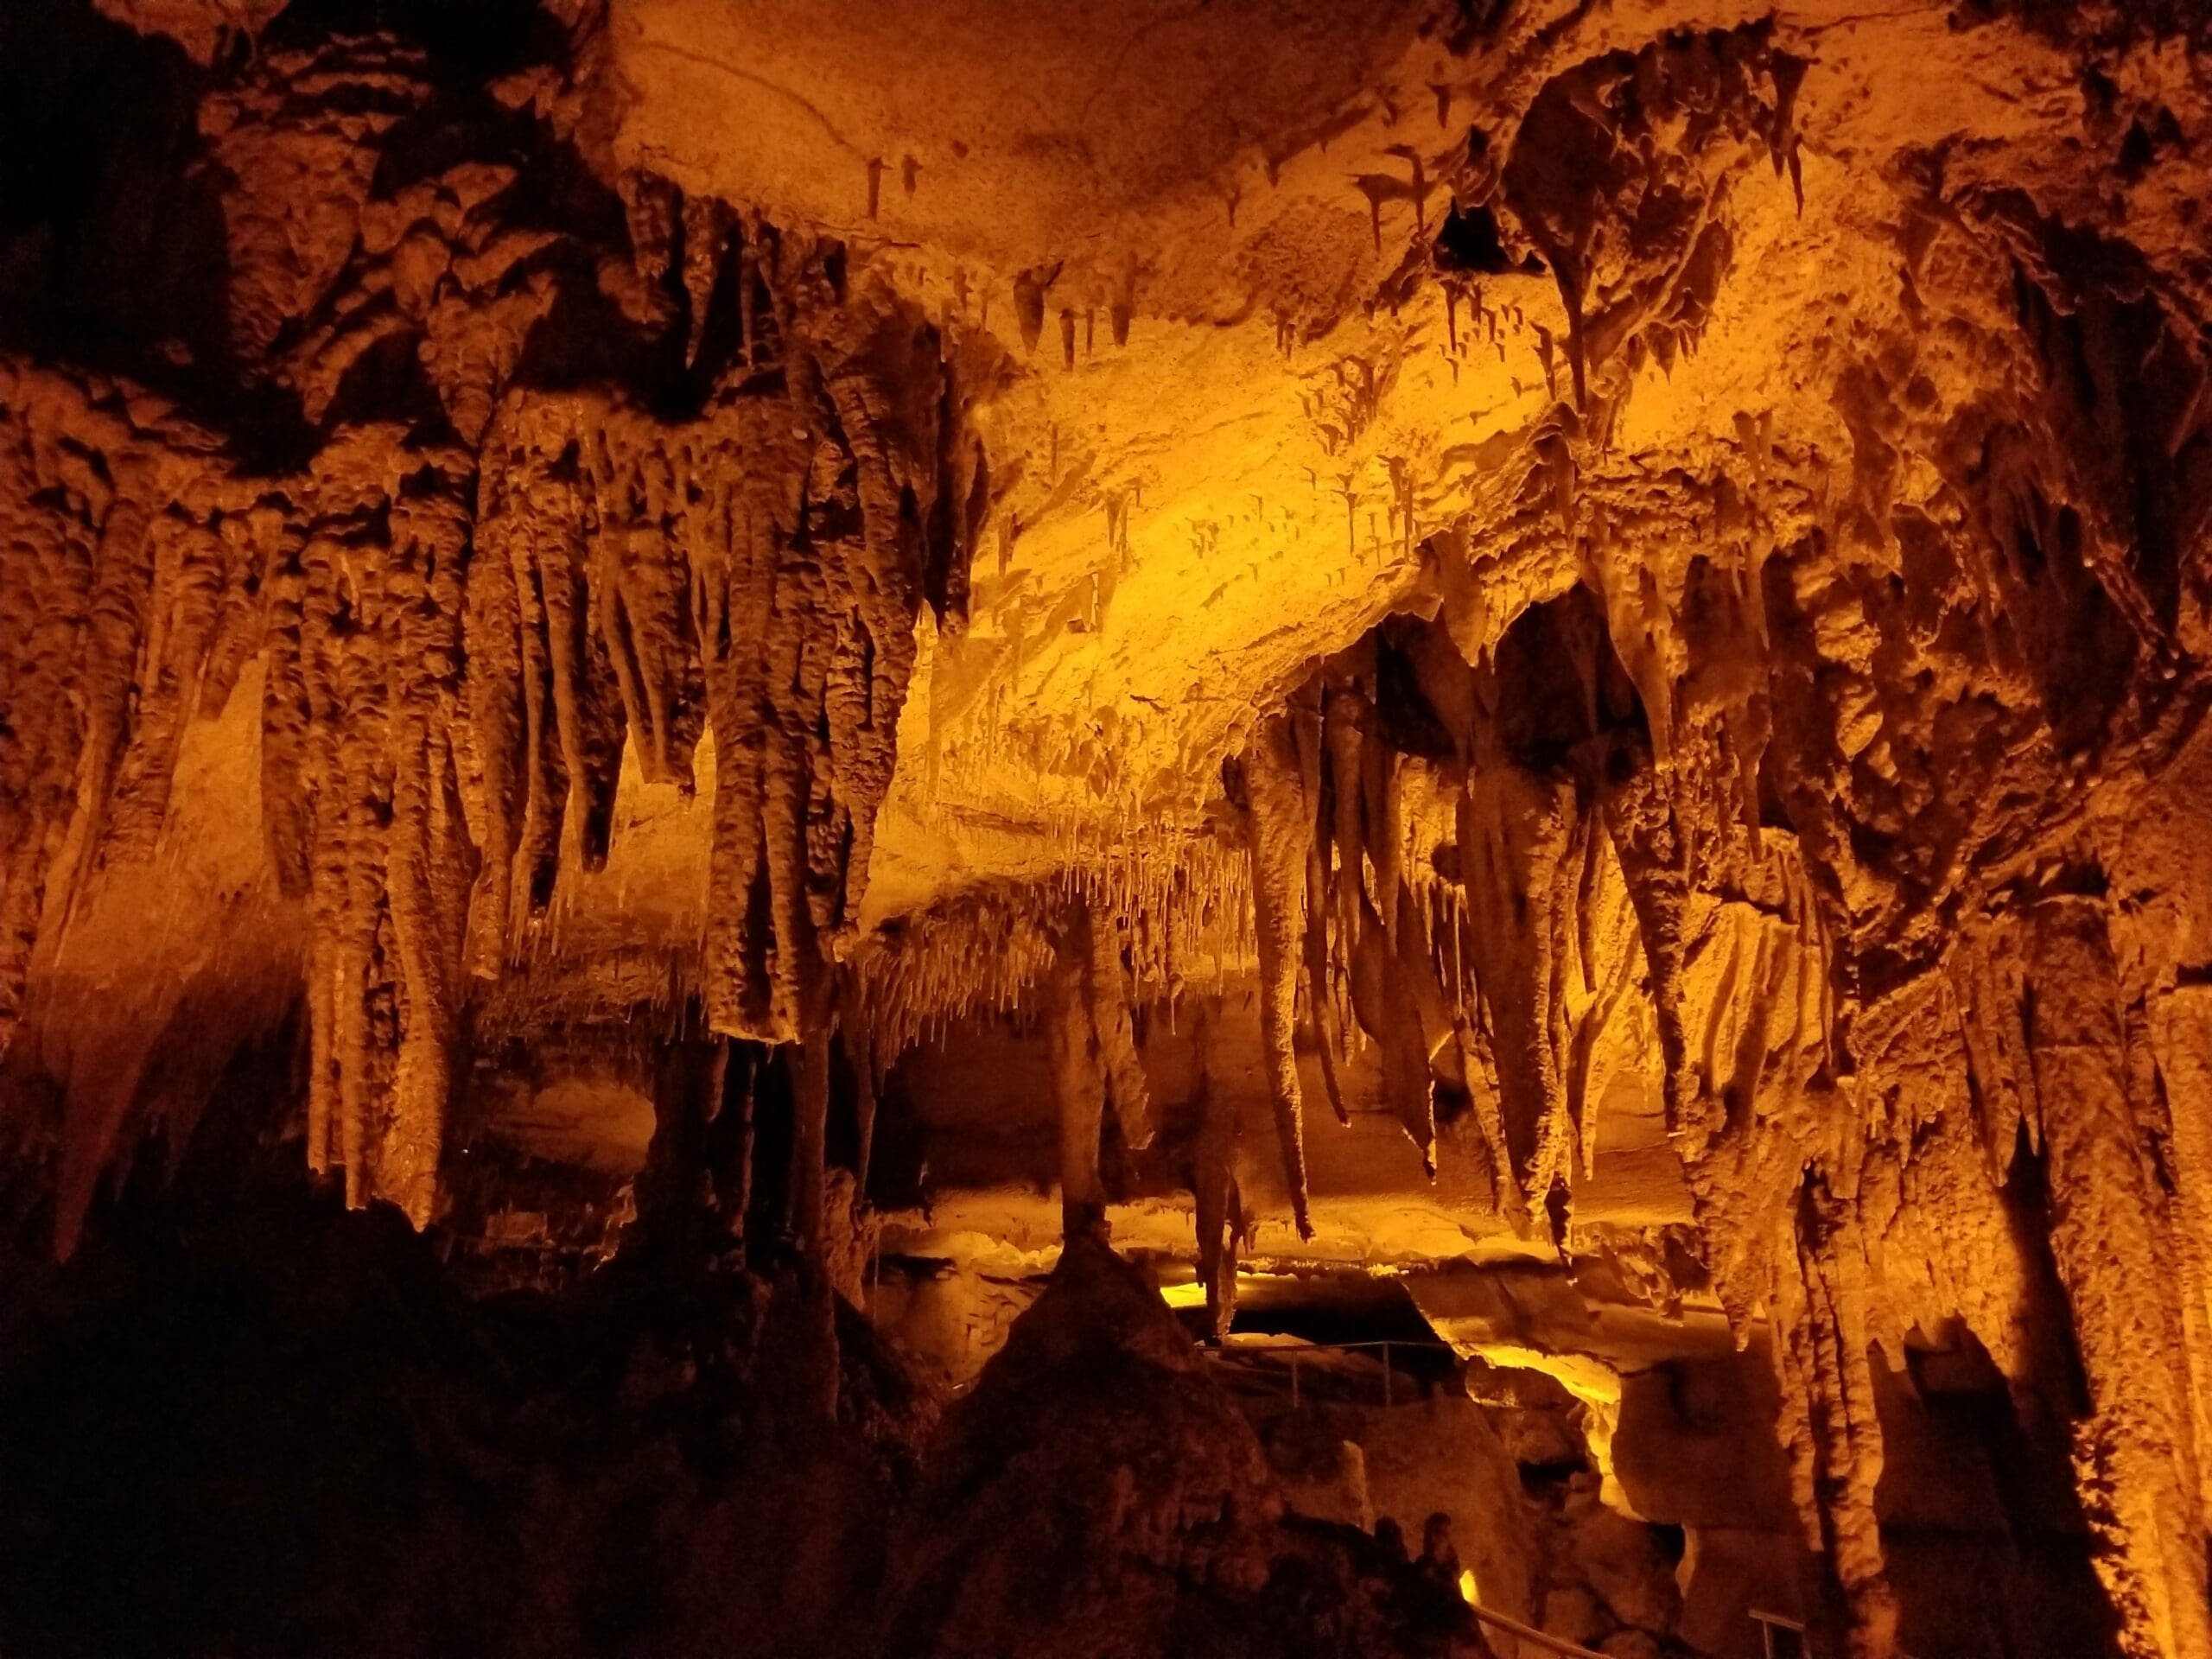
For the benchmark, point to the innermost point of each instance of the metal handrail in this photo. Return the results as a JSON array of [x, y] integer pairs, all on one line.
[[1294, 1344], [1297, 1346], [1516, 1629], [1512, 1627]]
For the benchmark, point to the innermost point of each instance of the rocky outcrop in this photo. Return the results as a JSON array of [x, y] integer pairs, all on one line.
[[1095, 1494]]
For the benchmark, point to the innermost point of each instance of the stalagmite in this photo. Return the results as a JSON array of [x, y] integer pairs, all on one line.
[[692, 1191], [1094, 1058]]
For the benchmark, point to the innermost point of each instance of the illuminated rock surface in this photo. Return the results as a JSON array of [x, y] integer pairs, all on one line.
[[1515, 678]]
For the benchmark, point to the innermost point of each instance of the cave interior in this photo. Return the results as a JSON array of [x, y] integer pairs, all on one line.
[[1329, 828]]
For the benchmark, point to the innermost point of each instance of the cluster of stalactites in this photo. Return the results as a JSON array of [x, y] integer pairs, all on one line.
[[128, 606], [1437, 906], [757, 572], [458, 650], [1507, 871], [365, 817], [980, 953], [142, 578], [753, 573], [1178, 903], [1618, 175], [1583, 848]]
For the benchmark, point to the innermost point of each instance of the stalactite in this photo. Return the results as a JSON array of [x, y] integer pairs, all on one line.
[[117, 614], [1106, 997], [794, 664], [1321, 978], [1344, 710], [1276, 826], [349, 782], [1823, 1343], [759, 507], [887, 385], [1386, 1007], [1991, 1004], [186, 575], [48, 558], [428, 870], [1623, 982], [586, 724], [866, 1106], [2136, 1454], [706, 238], [1518, 840], [1429, 1020], [1478, 1054], [1640, 820], [641, 612], [545, 510], [1383, 810], [491, 737]]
